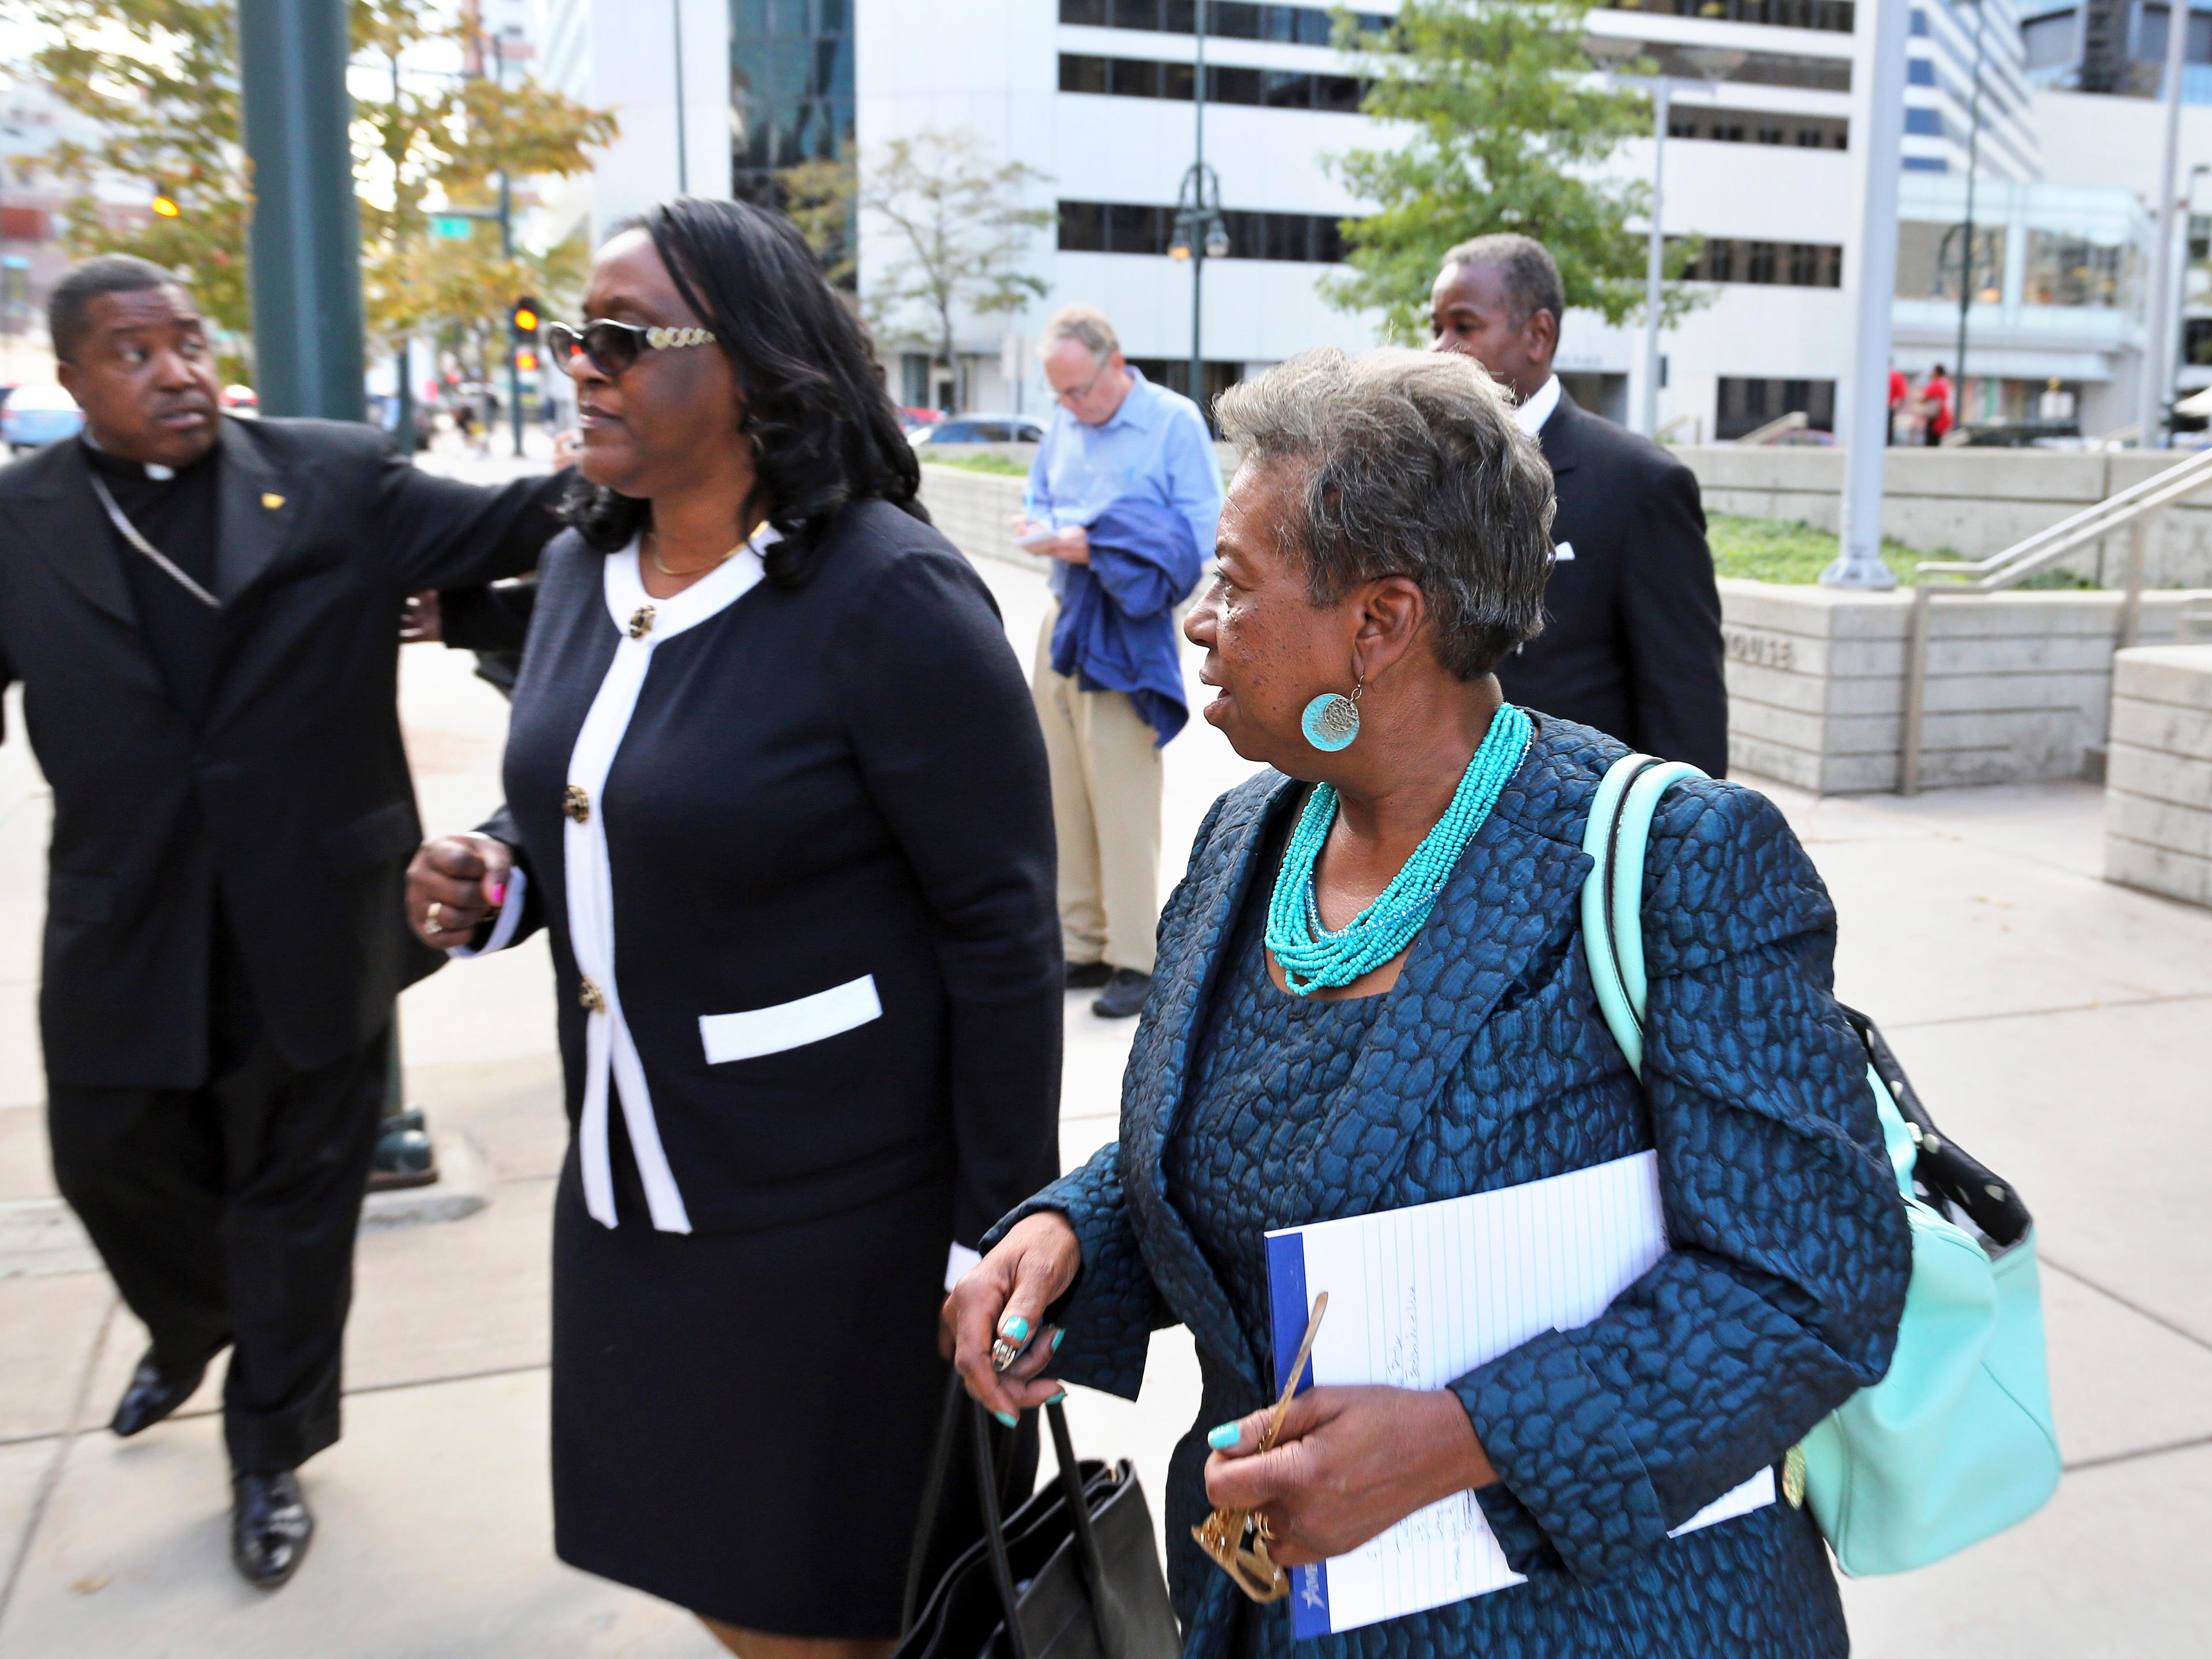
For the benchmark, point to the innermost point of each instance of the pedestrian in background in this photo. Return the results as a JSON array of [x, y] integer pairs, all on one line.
[[1935, 404], [776, 789], [1631, 639], [201, 610], [1124, 493]]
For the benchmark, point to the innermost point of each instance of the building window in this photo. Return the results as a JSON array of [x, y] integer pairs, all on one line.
[[1174, 373], [791, 87], [1743, 127], [2196, 341], [1759, 68], [1123, 227], [1745, 405], [2053, 42], [2066, 270], [1924, 123], [1928, 261], [1229, 20], [1925, 164], [1834, 15], [1919, 72], [1225, 83], [1784, 265]]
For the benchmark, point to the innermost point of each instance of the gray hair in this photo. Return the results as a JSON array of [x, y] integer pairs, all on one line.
[[1081, 323], [1413, 467], [1525, 265]]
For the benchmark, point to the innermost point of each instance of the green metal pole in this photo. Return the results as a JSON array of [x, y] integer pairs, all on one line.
[[306, 241]]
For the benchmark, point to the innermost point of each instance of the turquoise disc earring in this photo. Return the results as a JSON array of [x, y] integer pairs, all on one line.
[[1332, 721]]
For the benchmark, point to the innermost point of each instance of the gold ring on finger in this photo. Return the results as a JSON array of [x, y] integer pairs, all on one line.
[[430, 922]]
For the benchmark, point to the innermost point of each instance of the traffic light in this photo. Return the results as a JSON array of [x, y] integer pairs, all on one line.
[[524, 320], [527, 361]]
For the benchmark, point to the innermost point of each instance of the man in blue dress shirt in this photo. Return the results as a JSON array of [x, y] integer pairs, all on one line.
[[1115, 440]]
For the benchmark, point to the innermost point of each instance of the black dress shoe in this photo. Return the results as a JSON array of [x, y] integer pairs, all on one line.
[[1124, 994], [404, 1156], [270, 1527], [153, 1395], [1088, 975]]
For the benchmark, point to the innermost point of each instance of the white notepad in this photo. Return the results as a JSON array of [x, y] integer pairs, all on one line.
[[1417, 1297]]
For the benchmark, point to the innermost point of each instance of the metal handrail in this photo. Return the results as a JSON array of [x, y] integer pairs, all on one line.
[[1796, 421], [2130, 510]]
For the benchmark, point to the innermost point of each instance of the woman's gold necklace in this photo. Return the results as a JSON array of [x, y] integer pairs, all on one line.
[[653, 552]]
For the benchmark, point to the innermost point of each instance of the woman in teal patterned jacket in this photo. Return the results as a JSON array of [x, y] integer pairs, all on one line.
[[1328, 1035]]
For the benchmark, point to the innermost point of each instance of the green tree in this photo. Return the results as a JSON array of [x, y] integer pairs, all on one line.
[[161, 77], [818, 195], [1510, 130], [956, 219]]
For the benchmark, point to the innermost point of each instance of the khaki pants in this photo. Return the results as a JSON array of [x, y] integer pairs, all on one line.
[[1106, 807]]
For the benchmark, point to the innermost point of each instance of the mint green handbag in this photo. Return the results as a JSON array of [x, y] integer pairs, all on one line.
[[1956, 1442]]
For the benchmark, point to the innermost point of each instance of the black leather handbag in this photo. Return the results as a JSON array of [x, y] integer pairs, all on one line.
[[1073, 1572]]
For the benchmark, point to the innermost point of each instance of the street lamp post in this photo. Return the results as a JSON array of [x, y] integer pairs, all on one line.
[[1880, 140], [2157, 359], [1714, 64], [1200, 233], [1966, 248], [1654, 255], [305, 249]]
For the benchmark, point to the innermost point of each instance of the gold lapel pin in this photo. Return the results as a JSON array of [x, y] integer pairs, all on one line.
[[272, 503]]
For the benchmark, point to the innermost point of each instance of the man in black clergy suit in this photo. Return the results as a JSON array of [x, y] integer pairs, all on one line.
[[1632, 640], [203, 614]]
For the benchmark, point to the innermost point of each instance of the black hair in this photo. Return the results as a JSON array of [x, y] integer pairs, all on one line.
[[1531, 275], [824, 428], [85, 282]]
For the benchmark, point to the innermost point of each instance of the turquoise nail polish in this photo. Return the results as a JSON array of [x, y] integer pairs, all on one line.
[[1008, 1419], [1014, 1328], [1058, 1337], [1222, 1438], [1058, 1398]]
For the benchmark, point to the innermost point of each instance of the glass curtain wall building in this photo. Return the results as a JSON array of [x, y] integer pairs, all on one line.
[[791, 89]]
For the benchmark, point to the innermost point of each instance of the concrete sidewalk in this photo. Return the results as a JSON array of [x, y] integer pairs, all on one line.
[[2059, 1027]]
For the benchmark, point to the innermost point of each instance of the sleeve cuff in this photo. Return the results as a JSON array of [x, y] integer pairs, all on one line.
[[957, 1261], [505, 925], [1555, 1435]]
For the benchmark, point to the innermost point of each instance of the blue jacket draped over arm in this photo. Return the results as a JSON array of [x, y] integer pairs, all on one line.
[[1116, 627]]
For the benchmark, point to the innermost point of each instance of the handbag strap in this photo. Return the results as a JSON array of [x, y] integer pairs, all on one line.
[[1616, 839], [994, 1536], [933, 1494], [1089, 1561]]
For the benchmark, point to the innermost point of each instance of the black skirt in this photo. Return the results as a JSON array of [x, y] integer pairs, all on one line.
[[742, 1422]]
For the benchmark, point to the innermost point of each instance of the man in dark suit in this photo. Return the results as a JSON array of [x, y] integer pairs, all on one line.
[[1632, 640], [204, 612]]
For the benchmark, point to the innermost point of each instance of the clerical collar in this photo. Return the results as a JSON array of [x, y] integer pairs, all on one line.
[[117, 464]]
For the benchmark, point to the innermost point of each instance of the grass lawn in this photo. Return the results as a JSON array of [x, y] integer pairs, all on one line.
[[1000, 465], [1769, 551]]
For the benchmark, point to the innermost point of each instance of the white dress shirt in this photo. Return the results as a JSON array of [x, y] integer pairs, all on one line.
[[1532, 412]]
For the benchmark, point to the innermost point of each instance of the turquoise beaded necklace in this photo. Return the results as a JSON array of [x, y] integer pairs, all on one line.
[[1312, 956]]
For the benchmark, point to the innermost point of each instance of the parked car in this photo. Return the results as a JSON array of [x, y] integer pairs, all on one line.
[[911, 420], [38, 414], [983, 429], [241, 400]]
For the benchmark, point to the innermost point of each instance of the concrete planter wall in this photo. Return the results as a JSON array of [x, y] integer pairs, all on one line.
[[2158, 793], [2018, 684], [1977, 501], [2019, 688]]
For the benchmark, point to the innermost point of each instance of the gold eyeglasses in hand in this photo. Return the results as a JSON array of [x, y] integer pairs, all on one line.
[[1223, 1535]]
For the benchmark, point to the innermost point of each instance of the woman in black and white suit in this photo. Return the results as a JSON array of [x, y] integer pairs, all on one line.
[[775, 787]]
